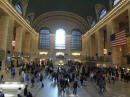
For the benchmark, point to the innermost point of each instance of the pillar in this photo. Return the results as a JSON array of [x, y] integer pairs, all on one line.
[[109, 33], [116, 51], [100, 38], [84, 46], [93, 45], [4, 25], [96, 43], [32, 43], [91, 52], [68, 44], [19, 39], [10, 35], [52, 43], [129, 18], [88, 47], [27, 41]]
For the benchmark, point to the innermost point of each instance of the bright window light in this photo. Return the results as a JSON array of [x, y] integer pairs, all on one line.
[[60, 39], [28, 19], [103, 13], [93, 23], [18, 8], [116, 2]]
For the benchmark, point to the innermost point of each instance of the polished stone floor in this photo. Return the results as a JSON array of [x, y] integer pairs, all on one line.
[[119, 89]]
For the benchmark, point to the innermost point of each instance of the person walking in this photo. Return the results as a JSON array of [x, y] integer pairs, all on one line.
[[25, 91], [1, 94], [32, 82], [29, 94], [2, 78], [27, 80], [41, 81], [13, 72], [19, 92], [75, 86]]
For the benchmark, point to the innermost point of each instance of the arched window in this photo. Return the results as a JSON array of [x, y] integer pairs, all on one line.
[[44, 38], [28, 19], [19, 9], [102, 13], [60, 39], [115, 2], [76, 40], [93, 23]]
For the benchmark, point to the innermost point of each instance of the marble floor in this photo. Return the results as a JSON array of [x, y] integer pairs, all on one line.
[[119, 89]]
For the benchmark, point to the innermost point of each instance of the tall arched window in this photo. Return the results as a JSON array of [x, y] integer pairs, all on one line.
[[60, 39], [28, 19], [102, 13], [44, 38], [19, 9], [93, 23], [76, 40], [115, 2]]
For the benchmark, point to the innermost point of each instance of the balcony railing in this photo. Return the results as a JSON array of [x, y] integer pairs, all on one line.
[[99, 58]]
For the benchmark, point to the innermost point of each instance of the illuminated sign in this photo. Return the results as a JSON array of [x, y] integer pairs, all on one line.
[[76, 54], [43, 53]]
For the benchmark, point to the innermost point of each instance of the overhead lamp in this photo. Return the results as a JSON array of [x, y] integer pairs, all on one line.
[[76, 54], [105, 51], [43, 53], [13, 43], [60, 53]]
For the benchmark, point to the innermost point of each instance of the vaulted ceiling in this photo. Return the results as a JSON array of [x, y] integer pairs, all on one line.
[[82, 8]]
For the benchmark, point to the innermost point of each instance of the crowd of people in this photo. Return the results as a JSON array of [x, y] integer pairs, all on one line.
[[29, 74], [72, 75]]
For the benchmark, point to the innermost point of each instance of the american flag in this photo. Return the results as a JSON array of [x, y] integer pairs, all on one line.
[[118, 39]]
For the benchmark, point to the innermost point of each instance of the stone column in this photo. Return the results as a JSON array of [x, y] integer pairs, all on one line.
[[116, 51], [4, 25], [19, 39], [109, 45], [109, 33], [96, 43], [10, 35], [27, 42], [88, 47], [100, 38], [36, 45], [91, 44], [52, 42], [68, 44], [32, 43], [84, 46], [129, 19]]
